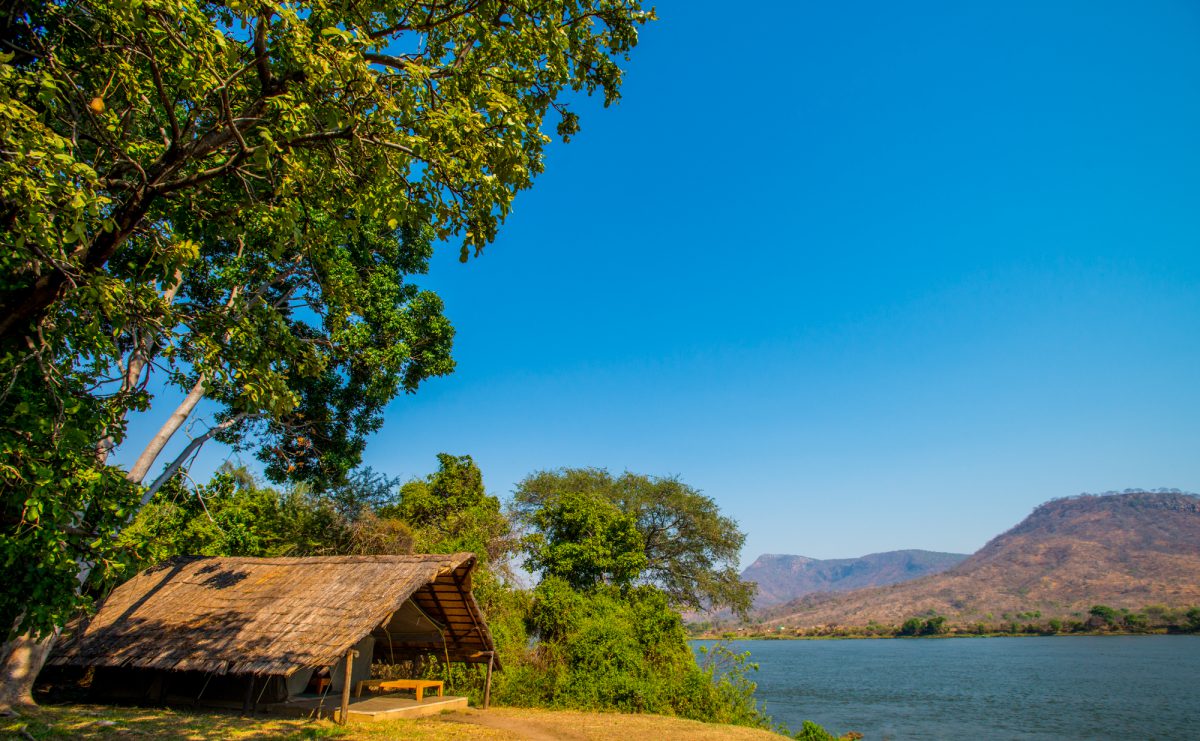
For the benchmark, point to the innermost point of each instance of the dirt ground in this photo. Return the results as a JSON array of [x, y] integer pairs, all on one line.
[[497, 724], [543, 725]]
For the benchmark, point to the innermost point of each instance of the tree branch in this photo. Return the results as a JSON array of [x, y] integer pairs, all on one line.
[[192, 447], [261, 59], [163, 98], [142, 465]]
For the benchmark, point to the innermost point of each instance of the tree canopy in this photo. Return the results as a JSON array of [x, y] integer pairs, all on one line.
[[688, 549], [137, 121], [450, 511], [586, 541], [235, 197]]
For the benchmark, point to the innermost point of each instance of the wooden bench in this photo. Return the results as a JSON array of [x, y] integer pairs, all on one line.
[[418, 686]]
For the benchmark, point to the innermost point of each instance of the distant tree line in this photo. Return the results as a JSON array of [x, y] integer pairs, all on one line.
[[1114, 492], [1098, 619]]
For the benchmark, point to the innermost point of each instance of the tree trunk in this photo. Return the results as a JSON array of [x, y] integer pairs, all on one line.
[[142, 466], [24, 657], [174, 466], [139, 358]]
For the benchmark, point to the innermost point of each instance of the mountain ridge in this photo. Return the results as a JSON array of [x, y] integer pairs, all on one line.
[[783, 577], [1129, 549]]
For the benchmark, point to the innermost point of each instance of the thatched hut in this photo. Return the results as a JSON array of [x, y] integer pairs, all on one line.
[[259, 629]]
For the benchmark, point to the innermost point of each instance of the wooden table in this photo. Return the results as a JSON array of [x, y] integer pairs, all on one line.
[[418, 686]]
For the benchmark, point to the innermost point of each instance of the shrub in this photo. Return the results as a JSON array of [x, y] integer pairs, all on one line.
[[934, 626], [623, 649], [1103, 615]]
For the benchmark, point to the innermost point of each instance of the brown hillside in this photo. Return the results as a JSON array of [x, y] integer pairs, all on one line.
[[1123, 550]]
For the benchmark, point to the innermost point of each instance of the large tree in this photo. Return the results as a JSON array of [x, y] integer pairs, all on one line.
[[233, 194], [605, 611], [690, 549]]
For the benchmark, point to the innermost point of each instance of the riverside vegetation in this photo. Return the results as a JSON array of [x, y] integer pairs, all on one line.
[[1099, 620], [615, 558]]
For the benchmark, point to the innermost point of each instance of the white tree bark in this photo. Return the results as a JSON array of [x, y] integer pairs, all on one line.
[[24, 657], [154, 448]]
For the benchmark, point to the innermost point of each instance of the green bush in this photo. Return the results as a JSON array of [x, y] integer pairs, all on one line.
[[932, 626], [811, 732], [623, 649]]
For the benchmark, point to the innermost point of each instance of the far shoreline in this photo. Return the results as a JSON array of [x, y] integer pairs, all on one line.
[[768, 637]]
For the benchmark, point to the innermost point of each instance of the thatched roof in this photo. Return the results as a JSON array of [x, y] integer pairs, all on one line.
[[277, 615]]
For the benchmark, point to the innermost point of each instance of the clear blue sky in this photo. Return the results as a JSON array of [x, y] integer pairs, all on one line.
[[871, 275]]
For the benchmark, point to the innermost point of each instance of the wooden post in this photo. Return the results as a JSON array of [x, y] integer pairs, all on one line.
[[346, 685], [487, 684], [249, 697]]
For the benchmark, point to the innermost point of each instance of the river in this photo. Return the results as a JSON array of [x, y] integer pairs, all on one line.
[[1058, 687]]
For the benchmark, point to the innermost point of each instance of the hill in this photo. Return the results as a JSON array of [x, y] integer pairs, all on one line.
[[1124, 550], [783, 578]]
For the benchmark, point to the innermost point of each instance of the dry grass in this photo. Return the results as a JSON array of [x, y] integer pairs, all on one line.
[[497, 724], [104, 722]]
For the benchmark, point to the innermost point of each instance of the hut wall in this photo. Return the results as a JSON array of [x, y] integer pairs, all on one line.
[[297, 683], [359, 671]]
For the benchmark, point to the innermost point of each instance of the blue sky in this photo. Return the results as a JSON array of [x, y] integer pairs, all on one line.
[[870, 275]]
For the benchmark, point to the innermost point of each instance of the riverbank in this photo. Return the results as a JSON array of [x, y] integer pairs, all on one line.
[[496, 724], [866, 637]]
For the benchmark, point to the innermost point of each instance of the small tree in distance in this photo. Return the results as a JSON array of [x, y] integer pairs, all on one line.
[[1102, 615]]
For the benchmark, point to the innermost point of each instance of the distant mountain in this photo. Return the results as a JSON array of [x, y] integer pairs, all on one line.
[[783, 578], [1123, 550]]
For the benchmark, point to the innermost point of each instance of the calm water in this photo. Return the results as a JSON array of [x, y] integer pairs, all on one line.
[[1085, 687]]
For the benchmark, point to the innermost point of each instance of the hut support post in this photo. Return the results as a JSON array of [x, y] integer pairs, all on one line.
[[249, 697], [345, 714], [487, 683]]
